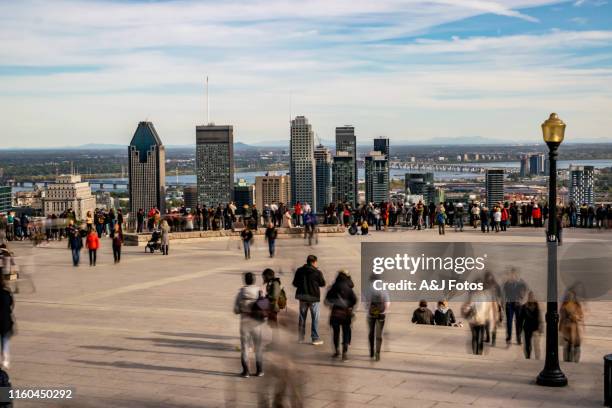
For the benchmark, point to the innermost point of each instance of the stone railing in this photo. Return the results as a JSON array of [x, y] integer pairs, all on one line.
[[132, 239]]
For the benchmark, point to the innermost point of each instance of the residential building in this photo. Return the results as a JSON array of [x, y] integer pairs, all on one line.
[[343, 182], [272, 189], [376, 177], [494, 186], [581, 185]]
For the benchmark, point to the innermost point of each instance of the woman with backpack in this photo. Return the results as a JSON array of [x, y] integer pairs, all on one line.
[[341, 298], [275, 295]]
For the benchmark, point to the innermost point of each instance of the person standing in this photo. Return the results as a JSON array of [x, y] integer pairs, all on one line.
[[139, 220], [341, 298], [165, 237], [459, 217], [514, 291], [75, 243], [89, 219], [117, 242], [6, 321], [271, 235], [250, 328], [247, 236], [441, 219], [93, 243], [308, 280], [273, 294]]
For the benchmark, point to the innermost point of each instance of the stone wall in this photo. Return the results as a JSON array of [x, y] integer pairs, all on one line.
[[132, 239]]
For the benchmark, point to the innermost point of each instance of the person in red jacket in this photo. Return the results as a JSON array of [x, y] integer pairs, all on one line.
[[297, 210], [505, 216], [536, 214], [92, 243]]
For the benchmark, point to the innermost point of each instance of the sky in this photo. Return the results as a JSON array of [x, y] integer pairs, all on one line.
[[77, 72]]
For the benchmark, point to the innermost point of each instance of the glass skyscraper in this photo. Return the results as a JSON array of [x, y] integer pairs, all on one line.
[[215, 164], [346, 141], [302, 163], [494, 186], [323, 164]]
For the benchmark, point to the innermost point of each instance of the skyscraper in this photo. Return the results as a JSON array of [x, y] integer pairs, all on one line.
[[376, 177], [343, 185], [302, 163], [5, 199], [147, 169], [524, 172], [381, 144], [346, 141], [494, 186], [272, 189], [215, 164], [581, 179], [536, 164], [190, 196], [323, 170]]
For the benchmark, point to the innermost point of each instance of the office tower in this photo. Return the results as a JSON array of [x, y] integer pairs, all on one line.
[[381, 144], [272, 189], [5, 199], [546, 167], [323, 170], [376, 177], [244, 194], [581, 182], [190, 196], [215, 164], [414, 183], [536, 164], [494, 186], [69, 192], [147, 169], [524, 172], [343, 183], [302, 163], [346, 141]]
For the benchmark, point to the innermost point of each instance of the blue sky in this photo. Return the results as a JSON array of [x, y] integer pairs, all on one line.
[[74, 72]]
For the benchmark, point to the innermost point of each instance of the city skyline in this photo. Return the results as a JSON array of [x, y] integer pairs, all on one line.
[[387, 68]]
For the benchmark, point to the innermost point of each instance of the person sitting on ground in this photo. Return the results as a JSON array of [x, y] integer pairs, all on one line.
[[443, 315], [422, 315], [364, 227]]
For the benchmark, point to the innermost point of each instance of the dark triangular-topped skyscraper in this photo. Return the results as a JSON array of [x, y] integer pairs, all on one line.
[[147, 166]]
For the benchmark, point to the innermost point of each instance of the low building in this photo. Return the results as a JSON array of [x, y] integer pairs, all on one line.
[[68, 192], [272, 189]]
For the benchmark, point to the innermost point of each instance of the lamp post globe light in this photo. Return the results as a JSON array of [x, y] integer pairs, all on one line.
[[553, 130]]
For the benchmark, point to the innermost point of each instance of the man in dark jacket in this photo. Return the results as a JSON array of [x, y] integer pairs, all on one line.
[[308, 280], [423, 315]]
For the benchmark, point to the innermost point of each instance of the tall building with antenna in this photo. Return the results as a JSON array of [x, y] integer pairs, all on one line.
[[147, 169], [302, 163], [346, 141], [214, 161]]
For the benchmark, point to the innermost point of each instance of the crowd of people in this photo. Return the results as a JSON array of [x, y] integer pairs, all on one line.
[[484, 311]]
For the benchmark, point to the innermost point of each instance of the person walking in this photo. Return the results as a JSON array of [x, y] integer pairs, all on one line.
[[571, 326], [75, 243], [308, 281], [271, 235], [378, 304], [165, 237], [341, 298], [531, 318], [478, 310], [6, 322], [273, 294], [247, 236], [93, 243], [250, 327], [117, 243], [513, 291]]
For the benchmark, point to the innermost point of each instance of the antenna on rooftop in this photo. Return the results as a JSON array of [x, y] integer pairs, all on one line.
[[207, 103]]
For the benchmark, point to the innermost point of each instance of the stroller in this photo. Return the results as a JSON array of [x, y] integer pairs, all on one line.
[[154, 244]]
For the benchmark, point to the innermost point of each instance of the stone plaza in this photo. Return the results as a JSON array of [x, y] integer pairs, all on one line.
[[159, 331]]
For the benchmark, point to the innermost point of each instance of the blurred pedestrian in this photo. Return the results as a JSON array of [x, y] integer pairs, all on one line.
[[6, 322], [93, 243], [308, 281], [571, 326], [341, 298], [250, 327], [531, 318]]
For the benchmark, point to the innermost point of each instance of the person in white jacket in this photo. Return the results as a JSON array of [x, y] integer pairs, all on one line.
[[250, 327], [478, 311]]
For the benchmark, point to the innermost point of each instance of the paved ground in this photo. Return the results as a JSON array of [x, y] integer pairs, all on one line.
[[159, 331]]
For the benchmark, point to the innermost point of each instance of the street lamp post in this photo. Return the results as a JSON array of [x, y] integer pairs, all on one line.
[[553, 130]]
